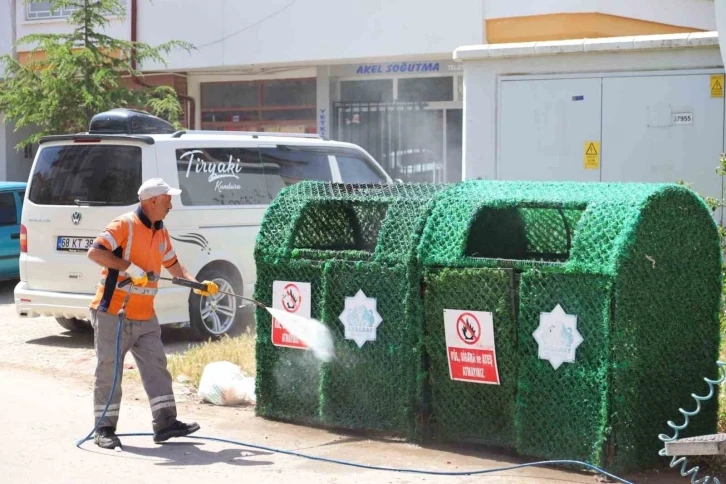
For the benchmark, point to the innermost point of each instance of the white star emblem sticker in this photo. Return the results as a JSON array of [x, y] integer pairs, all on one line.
[[557, 337], [360, 318]]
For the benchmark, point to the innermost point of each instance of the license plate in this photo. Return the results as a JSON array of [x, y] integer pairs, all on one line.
[[72, 244]]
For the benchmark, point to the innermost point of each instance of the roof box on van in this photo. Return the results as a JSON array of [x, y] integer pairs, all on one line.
[[128, 121]]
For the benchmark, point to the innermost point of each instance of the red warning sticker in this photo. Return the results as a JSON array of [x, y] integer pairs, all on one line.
[[293, 297], [470, 346]]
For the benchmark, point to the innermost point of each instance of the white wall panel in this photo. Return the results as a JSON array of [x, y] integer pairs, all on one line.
[[235, 32]]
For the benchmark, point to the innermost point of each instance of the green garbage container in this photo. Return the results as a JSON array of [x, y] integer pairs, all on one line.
[[596, 303], [350, 251]]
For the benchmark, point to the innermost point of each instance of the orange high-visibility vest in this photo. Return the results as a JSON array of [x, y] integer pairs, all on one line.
[[134, 238]]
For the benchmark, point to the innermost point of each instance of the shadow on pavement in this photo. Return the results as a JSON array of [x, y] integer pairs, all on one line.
[[192, 454], [65, 340], [177, 341]]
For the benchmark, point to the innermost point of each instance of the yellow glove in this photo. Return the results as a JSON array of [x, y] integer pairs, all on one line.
[[212, 289], [138, 275]]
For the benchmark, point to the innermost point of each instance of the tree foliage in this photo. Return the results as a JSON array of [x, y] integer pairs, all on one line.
[[70, 77]]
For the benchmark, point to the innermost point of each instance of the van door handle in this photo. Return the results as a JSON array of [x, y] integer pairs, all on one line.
[[14, 236]]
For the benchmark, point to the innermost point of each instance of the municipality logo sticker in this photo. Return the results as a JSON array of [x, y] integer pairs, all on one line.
[[557, 337], [360, 318]]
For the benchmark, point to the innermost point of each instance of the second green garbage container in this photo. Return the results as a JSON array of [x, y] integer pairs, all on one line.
[[570, 320]]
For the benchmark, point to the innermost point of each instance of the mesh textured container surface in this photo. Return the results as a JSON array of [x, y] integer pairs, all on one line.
[[564, 411], [288, 380], [320, 220], [643, 265], [665, 337], [533, 224], [375, 387], [470, 411], [346, 238]]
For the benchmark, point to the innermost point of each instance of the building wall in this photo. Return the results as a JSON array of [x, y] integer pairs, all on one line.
[[7, 28], [232, 32], [14, 165], [530, 20], [720, 11], [242, 33], [228, 33]]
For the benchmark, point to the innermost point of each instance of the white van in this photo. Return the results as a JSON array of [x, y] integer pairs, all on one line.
[[79, 183]]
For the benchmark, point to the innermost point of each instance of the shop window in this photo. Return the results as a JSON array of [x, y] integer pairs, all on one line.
[[235, 116], [288, 114], [270, 105], [426, 89], [378, 90], [230, 95], [296, 92]]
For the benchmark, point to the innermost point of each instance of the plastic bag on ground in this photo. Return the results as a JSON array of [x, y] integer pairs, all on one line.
[[224, 383]]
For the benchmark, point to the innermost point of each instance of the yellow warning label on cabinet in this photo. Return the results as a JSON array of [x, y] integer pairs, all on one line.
[[592, 155], [717, 81]]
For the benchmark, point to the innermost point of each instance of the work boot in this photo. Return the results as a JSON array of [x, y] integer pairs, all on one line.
[[106, 438], [177, 429]]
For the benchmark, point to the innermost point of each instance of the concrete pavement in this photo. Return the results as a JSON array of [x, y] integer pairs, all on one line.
[[44, 416]]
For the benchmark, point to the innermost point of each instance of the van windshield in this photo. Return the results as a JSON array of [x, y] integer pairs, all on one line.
[[103, 174]]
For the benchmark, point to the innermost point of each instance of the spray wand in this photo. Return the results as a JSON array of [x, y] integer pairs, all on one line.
[[193, 285]]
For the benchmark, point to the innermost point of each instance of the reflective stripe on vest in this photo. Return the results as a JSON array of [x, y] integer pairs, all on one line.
[[145, 291], [109, 238], [130, 239], [129, 218]]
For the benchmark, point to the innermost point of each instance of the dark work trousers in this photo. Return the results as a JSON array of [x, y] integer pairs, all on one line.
[[143, 338]]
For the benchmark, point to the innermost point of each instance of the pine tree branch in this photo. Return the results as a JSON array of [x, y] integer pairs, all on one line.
[[70, 77]]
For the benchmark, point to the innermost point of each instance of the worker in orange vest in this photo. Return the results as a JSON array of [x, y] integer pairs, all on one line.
[[132, 246]]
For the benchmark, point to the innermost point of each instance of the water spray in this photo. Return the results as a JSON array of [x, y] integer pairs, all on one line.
[[310, 331]]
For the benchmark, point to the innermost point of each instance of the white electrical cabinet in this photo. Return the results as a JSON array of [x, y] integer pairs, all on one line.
[[543, 125], [618, 127], [663, 129]]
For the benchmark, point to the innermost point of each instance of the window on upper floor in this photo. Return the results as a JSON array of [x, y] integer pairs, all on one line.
[[43, 10]]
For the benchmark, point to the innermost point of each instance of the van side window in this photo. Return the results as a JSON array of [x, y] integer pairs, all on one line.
[[355, 169], [221, 176], [8, 213], [287, 165]]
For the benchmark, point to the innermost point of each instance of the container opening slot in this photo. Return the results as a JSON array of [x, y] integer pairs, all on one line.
[[340, 226], [542, 234]]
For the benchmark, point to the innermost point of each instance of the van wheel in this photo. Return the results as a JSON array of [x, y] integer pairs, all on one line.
[[75, 325], [214, 316]]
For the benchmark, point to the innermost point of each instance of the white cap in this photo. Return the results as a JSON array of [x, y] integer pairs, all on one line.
[[155, 187]]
